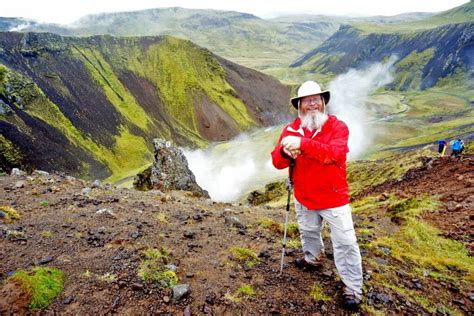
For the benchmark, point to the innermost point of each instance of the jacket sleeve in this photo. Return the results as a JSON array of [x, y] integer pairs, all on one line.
[[333, 151], [279, 159]]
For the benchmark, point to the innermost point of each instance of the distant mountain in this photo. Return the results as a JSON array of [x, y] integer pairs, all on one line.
[[241, 37], [91, 106], [425, 55]]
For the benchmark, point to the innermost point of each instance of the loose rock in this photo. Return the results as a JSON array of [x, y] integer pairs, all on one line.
[[180, 291]]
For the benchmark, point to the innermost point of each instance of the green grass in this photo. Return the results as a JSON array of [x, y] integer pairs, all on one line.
[[43, 285]]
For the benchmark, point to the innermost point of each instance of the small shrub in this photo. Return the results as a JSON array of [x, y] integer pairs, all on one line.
[[43, 285], [44, 203]]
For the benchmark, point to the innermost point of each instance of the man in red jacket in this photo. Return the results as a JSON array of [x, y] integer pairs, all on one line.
[[317, 141]]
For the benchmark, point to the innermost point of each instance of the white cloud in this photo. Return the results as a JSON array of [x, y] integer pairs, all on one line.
[[60, 11]]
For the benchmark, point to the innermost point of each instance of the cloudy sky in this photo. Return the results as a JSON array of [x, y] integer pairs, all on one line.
[[63, 11]]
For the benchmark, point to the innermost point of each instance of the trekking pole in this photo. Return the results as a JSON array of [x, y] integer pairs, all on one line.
[[289, 187]]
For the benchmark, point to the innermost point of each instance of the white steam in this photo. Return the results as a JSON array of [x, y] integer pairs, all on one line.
[[232, 169], [349, 92]]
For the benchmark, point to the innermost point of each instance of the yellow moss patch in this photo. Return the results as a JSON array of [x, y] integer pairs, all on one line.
[[11, 213]]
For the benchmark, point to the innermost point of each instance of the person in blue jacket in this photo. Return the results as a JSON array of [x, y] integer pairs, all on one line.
[[456, 148]]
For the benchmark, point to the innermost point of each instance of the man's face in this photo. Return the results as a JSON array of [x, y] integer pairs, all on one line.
[[311, 104]]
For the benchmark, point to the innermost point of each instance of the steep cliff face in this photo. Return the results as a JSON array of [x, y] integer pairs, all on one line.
[[424, 57], [91, 106]]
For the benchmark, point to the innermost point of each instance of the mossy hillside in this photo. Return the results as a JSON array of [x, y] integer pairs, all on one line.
[[43, 285], [116, 93], [182, 71], [422, 253], [129, 153]]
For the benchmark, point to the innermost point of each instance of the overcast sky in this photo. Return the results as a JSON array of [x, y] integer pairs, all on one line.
[[64, 11]]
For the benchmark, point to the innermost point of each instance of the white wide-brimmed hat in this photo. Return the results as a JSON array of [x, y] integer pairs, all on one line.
[[310, 88]]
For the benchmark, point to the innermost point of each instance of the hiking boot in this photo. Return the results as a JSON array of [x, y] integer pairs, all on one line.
[[351, 302], [302, 264]]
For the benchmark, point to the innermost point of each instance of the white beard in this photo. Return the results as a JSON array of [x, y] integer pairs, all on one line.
[[313, 121]]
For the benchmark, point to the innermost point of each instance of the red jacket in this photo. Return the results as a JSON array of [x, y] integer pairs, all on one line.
[[319, 175]]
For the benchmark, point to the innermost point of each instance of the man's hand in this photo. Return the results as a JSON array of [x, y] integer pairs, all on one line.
[[291, 143], [293, 153]]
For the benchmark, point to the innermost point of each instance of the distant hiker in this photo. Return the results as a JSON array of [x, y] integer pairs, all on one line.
[[456, 148], [441, 147], [317, 141]]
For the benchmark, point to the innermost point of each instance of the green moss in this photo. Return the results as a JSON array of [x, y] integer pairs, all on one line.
[[245, 255], [316, 293], [43, 285]]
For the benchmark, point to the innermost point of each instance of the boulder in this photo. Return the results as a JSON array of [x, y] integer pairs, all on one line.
[[169, 171]]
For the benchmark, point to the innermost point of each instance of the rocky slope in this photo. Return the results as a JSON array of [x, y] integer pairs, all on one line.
[[108, 242], [91, 106]]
